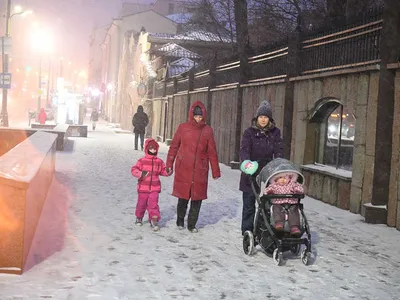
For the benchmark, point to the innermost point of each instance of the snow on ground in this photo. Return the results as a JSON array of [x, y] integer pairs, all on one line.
[[87, 246]]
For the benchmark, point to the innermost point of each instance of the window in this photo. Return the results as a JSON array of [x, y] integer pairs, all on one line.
[[335, 130]]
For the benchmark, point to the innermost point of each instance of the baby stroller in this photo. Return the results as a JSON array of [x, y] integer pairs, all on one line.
[[264, 234]]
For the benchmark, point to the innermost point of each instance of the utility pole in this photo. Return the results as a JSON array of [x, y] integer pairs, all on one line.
[[48, 83], [40, 85], [5, 67]]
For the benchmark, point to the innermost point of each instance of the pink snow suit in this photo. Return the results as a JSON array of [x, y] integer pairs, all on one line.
[[149, 185], [291, 187]]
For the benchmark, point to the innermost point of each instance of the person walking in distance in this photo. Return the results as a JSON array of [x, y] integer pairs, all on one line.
[[139, 122], [42, 116], [192, 149], [94, 117]]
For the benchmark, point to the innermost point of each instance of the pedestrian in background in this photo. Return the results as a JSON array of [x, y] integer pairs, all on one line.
[[139, 122], [94, 117], [42, 116]]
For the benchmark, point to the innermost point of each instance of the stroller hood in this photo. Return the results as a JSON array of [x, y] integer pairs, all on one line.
[[275, 167]]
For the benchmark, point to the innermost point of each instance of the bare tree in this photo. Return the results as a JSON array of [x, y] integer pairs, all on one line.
[[213, 16], [269, 20]]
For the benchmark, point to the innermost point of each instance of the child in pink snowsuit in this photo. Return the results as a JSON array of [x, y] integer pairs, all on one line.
[[285, 183], [148, 169]]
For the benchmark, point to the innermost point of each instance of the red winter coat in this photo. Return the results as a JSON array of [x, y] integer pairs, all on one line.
[[42, 116], [152, 164], [193, 150]]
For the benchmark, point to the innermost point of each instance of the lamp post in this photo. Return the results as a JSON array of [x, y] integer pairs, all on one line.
[[5, 59], [40, 85], [5, 67], [42, 41]]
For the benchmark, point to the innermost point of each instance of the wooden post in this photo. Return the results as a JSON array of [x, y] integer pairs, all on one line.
[[376, 211], [191, 87], [242, 37], [165, 88], [243, 77], [211, 84], [293, 69], [175, 85]]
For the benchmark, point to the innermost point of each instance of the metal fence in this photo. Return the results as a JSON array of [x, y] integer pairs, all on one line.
[[338, 48]]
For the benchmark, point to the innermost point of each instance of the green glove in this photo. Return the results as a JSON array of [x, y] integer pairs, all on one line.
[[249, 167]]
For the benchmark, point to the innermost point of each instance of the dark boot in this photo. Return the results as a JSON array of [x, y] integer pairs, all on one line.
[[181, 212], [194, 214], [180, 222]]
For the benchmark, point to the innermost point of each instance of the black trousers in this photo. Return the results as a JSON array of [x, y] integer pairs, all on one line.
[[137, 135], [193, 212], [248, 212]]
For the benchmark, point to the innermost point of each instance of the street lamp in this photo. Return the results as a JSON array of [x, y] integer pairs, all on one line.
[[18, 11], [42, 41]]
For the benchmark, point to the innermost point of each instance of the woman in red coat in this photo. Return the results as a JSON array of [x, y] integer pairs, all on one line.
[[193, 150], [42, 116]]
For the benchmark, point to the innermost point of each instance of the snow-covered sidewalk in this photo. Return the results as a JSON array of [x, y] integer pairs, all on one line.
[[87, 246]]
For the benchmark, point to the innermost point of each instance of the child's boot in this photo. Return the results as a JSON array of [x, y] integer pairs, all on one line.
[[154, 224], [295, 231], [279, 226], [139, 222]]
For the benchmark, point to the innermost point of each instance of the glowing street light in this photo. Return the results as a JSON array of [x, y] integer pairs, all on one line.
[[17, 9], [5, 62], [42, 41], [83, 74]]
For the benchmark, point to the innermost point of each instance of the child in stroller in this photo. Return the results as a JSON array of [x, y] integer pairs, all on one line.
[[278, 190], [285, 183]]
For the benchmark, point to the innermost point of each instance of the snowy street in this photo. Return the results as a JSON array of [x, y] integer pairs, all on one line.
[[88, 247]]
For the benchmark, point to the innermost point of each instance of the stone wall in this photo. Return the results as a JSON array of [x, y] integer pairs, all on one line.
[[393, 218], [327, 187]]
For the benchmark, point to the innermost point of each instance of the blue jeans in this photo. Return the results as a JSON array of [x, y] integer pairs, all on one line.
[[249, 210]]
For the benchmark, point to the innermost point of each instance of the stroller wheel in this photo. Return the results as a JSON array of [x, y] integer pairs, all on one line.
[[248, 242], [305, 256], [277, 257], [295, 249]]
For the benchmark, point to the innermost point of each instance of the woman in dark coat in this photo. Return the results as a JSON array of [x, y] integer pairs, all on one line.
[[193, 150], [262, 142]]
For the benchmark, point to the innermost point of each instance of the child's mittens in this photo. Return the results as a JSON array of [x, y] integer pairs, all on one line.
[[249, 167]]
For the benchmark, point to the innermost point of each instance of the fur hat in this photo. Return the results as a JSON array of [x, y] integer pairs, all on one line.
[[197, 111], [264, 110]]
